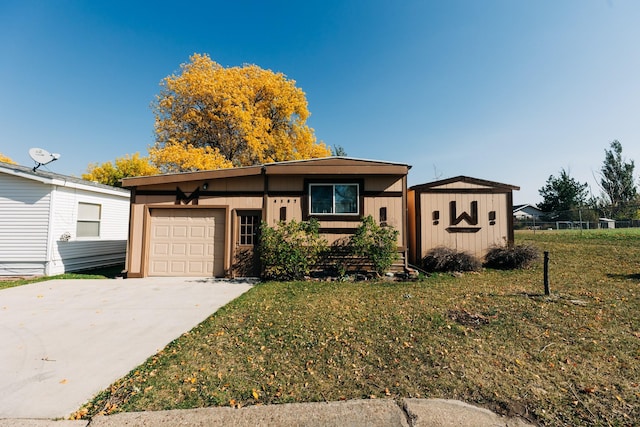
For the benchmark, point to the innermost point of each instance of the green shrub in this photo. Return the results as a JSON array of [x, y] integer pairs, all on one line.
[[442, 259], [510, 258], [289, 250], [376, 244]]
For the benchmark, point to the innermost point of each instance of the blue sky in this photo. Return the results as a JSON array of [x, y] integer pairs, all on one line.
[[504, 90]]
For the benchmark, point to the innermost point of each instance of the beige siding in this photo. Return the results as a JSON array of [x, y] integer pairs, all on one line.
[[434, 235], [395, 210], [293, 206], [412, 227], [136, 239]]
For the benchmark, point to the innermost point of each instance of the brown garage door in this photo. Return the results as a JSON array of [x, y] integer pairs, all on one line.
[[187, 242]]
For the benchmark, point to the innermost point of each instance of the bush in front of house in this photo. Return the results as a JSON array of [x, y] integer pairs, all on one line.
[[289, 250], [510, 258], [376, 244], [442, 259]]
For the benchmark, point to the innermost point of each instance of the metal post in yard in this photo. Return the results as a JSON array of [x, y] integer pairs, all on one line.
[[546, 273]]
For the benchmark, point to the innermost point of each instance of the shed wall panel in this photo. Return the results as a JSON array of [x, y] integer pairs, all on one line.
[[441, 232]]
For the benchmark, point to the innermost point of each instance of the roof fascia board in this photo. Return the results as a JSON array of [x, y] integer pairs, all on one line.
[[345, 169], [324, 166], [467, 179], [191, 176], [60, 182]]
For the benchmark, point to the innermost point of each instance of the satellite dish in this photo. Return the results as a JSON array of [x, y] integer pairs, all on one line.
[[42, 157]]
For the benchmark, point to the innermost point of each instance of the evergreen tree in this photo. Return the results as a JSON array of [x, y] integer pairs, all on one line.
[[563, 197]]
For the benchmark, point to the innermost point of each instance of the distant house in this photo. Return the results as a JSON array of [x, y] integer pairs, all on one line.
[[52, 223], [462, 213], [205, 223], [526, 212], [606, 223]]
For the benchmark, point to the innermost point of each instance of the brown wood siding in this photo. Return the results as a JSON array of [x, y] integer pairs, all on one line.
[[383, 184], [276, 190], [283, 184], [275, 203], [412, 227], [442, 232], [136, 236]]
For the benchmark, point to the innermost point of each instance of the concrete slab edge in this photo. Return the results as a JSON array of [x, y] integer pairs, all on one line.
[[373, 412]]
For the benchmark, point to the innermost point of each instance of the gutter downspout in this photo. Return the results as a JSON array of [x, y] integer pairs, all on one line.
[[50, 225]]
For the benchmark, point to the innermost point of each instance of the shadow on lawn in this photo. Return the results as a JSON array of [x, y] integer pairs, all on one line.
[[635, 276]]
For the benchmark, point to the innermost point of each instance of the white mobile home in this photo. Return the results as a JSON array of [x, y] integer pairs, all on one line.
[[52, 223]]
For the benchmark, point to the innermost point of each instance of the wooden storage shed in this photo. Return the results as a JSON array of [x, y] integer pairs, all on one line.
[[461, 213], [205, 223]]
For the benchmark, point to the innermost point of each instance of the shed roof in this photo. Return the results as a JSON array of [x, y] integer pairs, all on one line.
[[52, 178], [466, 179], [517, 208], [320, 166]]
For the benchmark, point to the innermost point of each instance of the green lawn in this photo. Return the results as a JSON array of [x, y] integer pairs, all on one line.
[[491, 339], [98, 273]]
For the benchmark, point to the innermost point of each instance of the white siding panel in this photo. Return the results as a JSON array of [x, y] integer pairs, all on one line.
[[24, 212], [82, 253], [22, 269], [114, 221]]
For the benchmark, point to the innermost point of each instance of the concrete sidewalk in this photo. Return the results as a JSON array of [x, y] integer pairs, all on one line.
[[63, 341], [369, 413]]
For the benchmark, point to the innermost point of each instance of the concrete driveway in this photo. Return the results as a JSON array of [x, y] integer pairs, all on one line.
[[62, 341]]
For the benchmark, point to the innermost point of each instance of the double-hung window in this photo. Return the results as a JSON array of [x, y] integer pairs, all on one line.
[[334, 199], [88, 224]]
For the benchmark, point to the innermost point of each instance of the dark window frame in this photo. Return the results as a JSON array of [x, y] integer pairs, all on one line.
[[248, 230], [308, 183]]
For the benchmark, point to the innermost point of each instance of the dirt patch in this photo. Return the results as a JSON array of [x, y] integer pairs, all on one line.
[[465, 318]]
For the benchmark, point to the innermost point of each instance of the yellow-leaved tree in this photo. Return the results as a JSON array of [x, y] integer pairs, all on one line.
[[111, 173], [236, 116], [6, 159], [184, 158]]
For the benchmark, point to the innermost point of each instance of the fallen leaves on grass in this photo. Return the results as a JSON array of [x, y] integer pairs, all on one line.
[[488, 339]]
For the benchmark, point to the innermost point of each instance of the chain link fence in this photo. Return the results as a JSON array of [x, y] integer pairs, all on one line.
[[585, 219]]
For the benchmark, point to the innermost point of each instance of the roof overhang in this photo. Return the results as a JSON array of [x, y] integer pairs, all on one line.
[[322, 166], [61, 180], [466, 179], [191, 176]]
